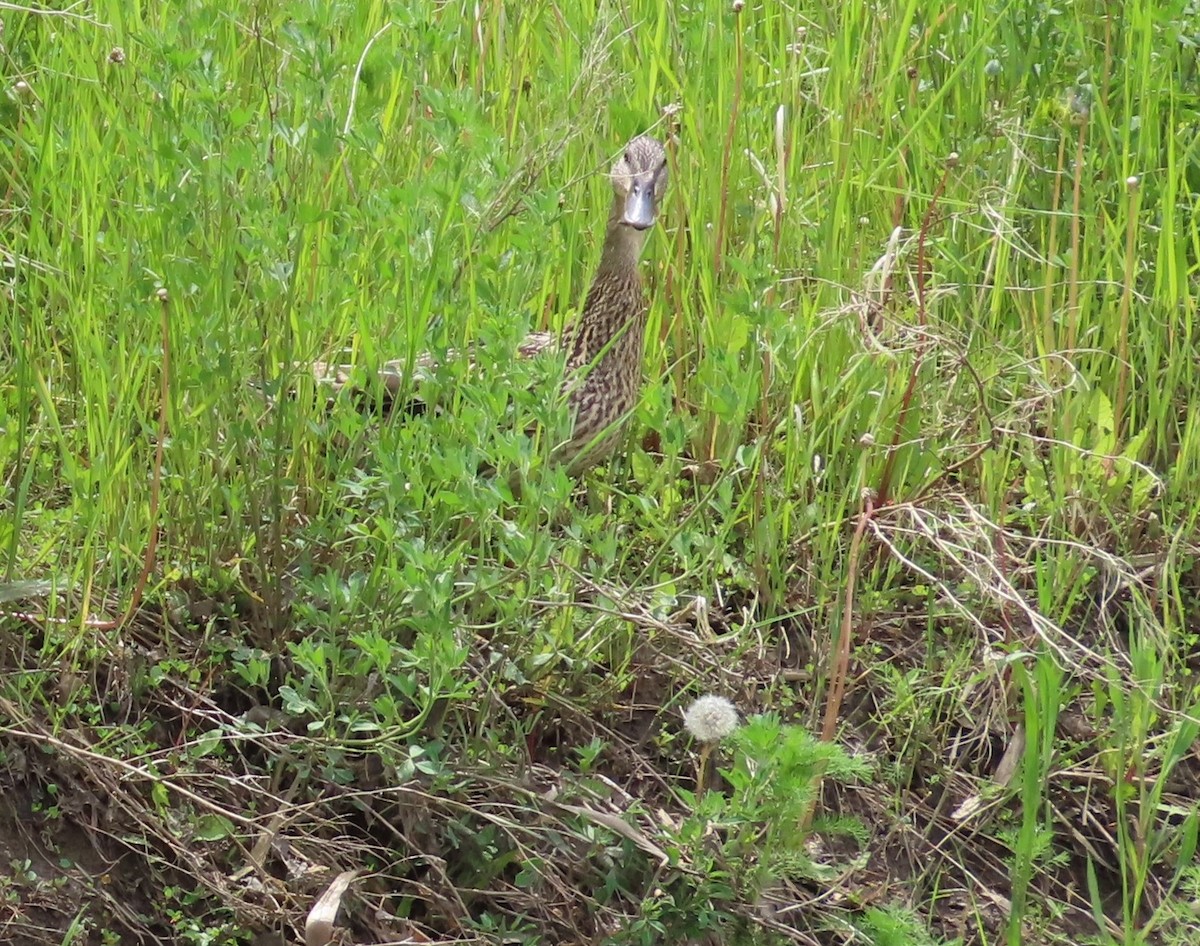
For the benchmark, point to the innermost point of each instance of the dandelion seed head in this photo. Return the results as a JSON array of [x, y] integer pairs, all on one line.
[[710, 718]]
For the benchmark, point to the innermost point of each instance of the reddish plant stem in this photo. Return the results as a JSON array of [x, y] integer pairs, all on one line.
[[840, 665]]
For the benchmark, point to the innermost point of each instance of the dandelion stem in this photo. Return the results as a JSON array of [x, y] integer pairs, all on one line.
[[702, 770]]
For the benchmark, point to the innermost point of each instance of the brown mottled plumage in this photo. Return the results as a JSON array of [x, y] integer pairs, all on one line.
[[604, 347]]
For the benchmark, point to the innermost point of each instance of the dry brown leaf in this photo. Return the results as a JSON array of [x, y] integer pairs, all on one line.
[[621, 827], [318, 928]]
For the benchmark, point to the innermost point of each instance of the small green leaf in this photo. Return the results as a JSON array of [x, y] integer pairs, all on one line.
[[213, 828]]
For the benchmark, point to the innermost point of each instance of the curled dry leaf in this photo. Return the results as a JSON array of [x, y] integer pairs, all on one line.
[[621, 827], [318, 928], [1005, 770]]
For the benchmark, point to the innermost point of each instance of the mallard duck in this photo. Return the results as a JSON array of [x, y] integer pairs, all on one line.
[[604, 347]]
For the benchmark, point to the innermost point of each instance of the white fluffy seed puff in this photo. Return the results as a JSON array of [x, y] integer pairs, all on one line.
[[710, 718]]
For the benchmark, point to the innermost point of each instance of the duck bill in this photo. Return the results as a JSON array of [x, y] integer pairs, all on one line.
[[639, 208]]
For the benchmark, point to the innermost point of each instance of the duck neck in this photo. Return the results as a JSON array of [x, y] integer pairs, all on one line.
[[614, 312], [622, 245]]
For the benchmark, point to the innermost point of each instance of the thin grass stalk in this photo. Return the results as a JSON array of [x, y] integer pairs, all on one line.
[[730, 130], [1106, 76], [779, 200], [901, 202], [480, 36], [149, 556], [885, 480], [1049, 336], [710, 446], [1131, 213], [987, 283], [1076, 231], [674, 281]]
